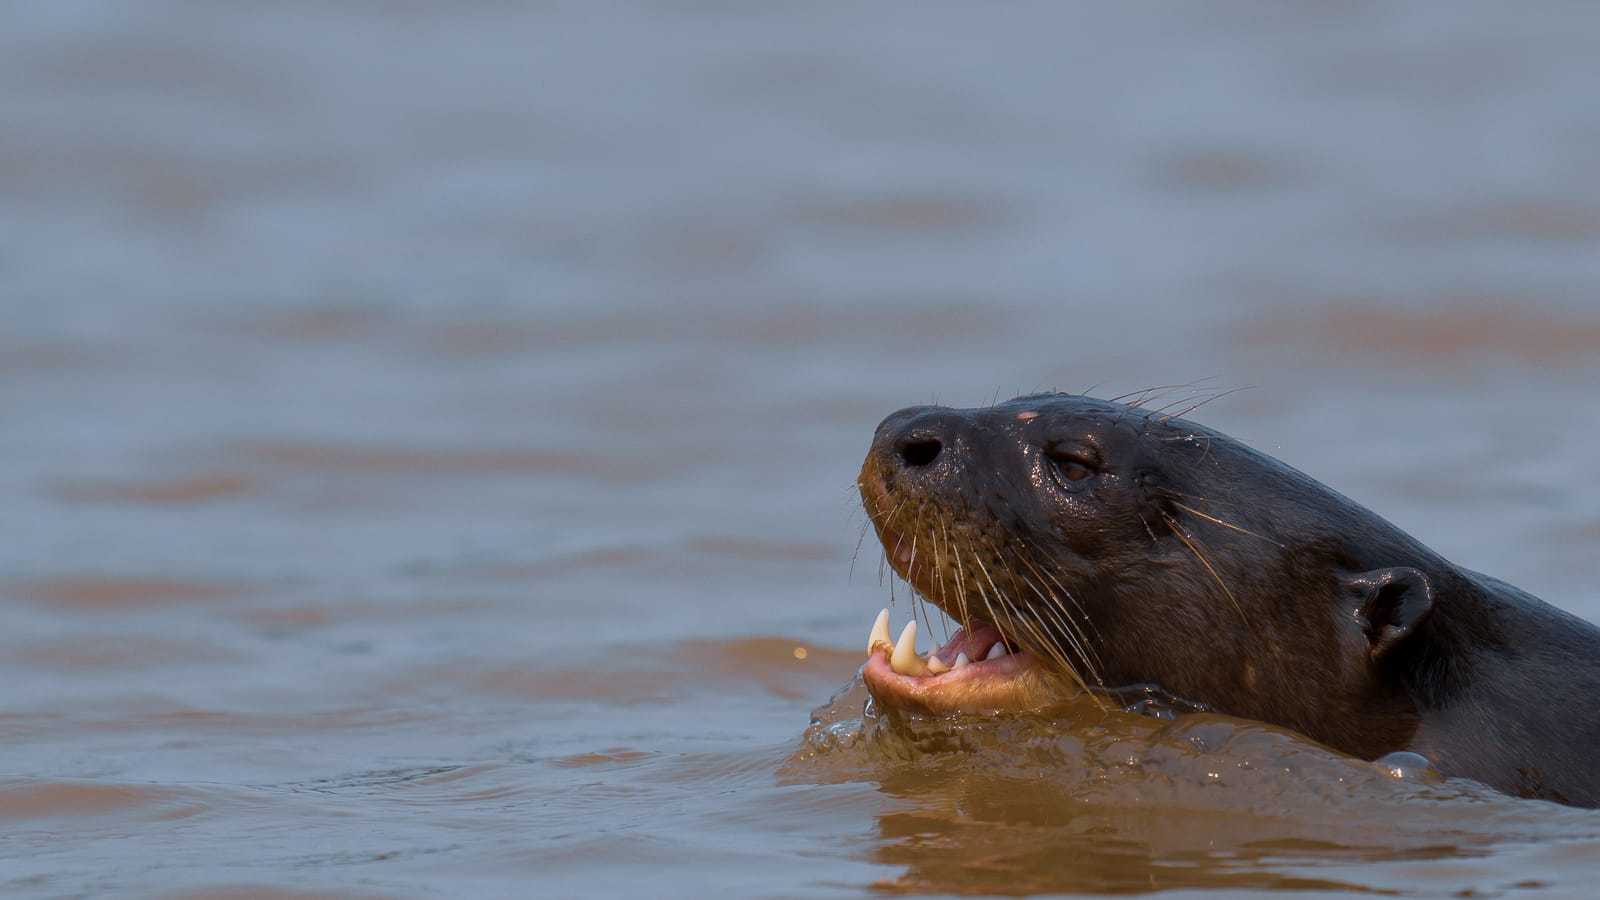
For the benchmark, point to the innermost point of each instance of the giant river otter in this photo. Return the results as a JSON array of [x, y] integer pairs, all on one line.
[[1089, 544]]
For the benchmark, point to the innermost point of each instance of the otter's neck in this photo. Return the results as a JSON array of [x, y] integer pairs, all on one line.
[[1492, 679]]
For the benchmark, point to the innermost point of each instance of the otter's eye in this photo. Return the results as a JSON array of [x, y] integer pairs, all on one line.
[[1073, 464], [1072, 470]]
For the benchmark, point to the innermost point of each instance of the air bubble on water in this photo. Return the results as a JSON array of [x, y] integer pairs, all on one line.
[[1405, 764]]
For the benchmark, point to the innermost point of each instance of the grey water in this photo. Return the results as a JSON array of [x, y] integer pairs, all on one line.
[[428, 431]]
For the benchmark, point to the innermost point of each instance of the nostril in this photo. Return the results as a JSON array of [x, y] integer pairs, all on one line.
[[920, 452]]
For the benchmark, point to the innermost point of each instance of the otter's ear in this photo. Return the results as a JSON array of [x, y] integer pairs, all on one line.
[[1394, 602]]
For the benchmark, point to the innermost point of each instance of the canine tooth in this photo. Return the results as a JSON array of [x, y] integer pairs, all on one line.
[[905, 660], [961, 660], [998, 650], [936, 665], [880, 634]]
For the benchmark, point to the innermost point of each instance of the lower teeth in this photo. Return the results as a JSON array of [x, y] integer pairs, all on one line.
[[903, 657], [904, 660]]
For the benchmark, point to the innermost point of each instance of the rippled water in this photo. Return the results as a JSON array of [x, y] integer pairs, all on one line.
[[429, 430]]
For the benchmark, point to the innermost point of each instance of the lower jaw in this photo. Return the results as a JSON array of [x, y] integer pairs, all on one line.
[[1013, 683]]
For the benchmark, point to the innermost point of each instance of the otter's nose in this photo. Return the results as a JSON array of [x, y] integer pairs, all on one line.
[[917, 449], [916, 438]]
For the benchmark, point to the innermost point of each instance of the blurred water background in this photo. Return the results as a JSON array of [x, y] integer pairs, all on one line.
[[429, 428]]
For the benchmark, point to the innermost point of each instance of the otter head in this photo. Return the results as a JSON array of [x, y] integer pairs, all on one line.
[[1088, 544]]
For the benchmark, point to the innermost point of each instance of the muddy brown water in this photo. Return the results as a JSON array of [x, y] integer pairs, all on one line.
[[427, 432]]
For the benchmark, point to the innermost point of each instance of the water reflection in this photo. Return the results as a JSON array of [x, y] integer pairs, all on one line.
[[1090, 800]]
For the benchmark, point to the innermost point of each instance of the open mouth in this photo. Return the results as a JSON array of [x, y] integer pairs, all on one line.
[[976, 670]]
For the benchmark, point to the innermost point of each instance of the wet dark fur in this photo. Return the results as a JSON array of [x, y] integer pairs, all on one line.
[[1186, 560]]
